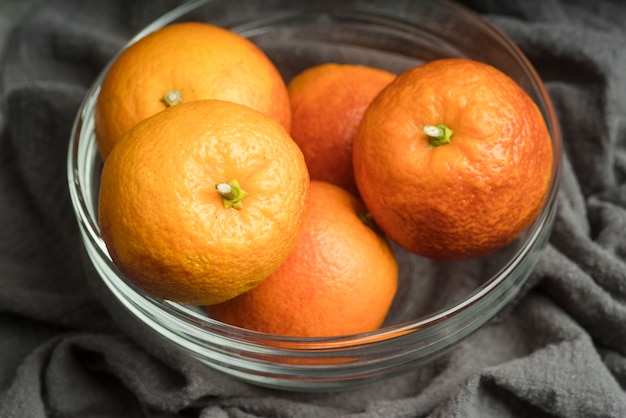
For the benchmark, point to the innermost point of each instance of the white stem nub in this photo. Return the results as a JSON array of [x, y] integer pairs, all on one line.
[[433, 131], [224, 189], [173, 97]]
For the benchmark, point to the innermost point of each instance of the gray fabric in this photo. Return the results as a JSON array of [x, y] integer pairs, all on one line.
[[560, 351]]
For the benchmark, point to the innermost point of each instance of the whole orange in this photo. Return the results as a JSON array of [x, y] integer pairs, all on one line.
[[180, 63], [327, 103], [453, 159], [202, 201], [340, 279]]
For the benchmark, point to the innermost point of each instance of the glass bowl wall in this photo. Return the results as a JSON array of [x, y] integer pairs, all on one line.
[[438, 303]]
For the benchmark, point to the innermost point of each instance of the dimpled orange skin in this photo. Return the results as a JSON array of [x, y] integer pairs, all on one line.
[[200, 60], [466, 198], [340, 279], [165, 225], [327, 103]]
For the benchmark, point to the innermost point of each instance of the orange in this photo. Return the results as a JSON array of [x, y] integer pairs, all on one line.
[[327, 103], [186, 62], [202, 201], [453, 159], [340, 279]]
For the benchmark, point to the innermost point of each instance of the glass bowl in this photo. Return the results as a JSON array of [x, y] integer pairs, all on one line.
[[438, 303]]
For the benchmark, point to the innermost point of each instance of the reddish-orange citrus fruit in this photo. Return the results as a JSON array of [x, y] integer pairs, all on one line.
[[453, 159], [340, 279], [327, 103], [184, 62], [202, 201]]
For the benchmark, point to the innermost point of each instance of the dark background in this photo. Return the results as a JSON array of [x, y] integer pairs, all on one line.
[[560, 351]]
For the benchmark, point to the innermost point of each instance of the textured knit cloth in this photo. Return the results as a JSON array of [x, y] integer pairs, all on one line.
[[560, 351]]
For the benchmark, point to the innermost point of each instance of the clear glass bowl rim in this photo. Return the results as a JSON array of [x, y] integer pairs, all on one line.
[[204, 327]]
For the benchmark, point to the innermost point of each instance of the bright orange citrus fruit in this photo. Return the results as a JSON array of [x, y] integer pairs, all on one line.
[[202, 201], [340, 279], [186, 62], [327, 103], [453, 159]]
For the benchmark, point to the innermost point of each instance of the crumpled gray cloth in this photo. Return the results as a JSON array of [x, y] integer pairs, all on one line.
[[560, 351]]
